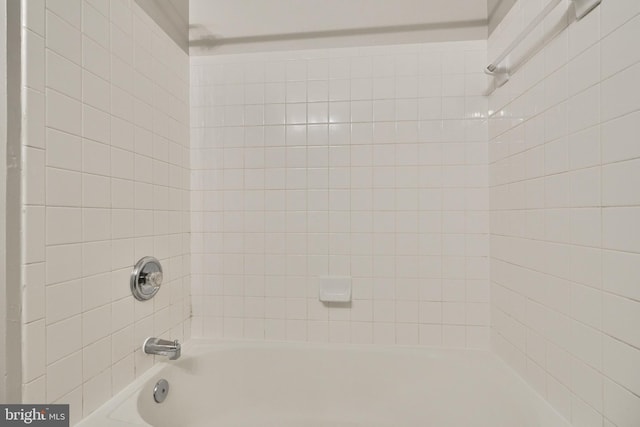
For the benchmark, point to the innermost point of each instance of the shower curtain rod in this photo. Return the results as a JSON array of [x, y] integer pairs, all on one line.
[[582, 8]]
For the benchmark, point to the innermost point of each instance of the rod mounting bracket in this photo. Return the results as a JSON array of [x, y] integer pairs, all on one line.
[[583, 7]]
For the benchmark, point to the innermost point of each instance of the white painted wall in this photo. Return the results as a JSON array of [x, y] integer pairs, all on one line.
[[260, 18], [565, 207], [172, 16], [3, 195], [221, 26], [497, 10]]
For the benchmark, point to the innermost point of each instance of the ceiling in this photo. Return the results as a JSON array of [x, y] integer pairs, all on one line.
[[223, 26], [172, 16]]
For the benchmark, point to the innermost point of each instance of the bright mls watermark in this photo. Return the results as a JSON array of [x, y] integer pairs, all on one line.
[[34, 415]]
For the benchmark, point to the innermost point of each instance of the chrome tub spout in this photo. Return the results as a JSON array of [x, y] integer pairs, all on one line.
[[161, 347]]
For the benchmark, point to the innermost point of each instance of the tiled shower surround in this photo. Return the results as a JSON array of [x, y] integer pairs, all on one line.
[[105, 181], [565, 204], [387, 164], [361, 162]]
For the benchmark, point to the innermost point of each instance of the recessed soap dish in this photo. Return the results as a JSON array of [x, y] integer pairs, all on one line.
[[334, 288]]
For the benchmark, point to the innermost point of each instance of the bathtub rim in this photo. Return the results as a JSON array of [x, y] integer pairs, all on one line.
[[121, 410]]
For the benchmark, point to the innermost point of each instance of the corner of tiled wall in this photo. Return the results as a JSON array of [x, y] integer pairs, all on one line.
[[105, 181], [564, 179]]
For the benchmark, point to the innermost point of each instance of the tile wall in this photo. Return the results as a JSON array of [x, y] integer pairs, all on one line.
[[364, 162], [565, 202], [105, 182]]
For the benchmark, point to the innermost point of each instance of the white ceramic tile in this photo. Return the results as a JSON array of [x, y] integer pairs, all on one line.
[[617, 138], [583, 414], [63, 113], [34, 296], [296, 70], [63, 338], [621, 272], [122, 164], [586, 305], [62, 262], [123, 344], [614, 14], [585, 187], [64, 375], [618, 317], [95, 158], [620, 93], [452, 84], [63, 301], [585, 148], [33, 365], [587, 384], [585, 227], [34, 391], [34, 223], [584, 33], [619, 360], [74, 398], [584, 70], [63, 150], [63, 225], [122, 103], [556, 155], [63, 38], [34, 176], [96, 358], [96, 224], [95, 91], [618, 180], [121, 15], [96, 325], [35, 60], [33, 16], [123, 135], [95, 391], [559, 396], [617, 48], [618, 230], [96, 191], [34, 131], [620, 405], [122, 75], [584, 109], [96, 258], [122, 373], [95, 124], [70, 11], [96, 24], [556, 122]]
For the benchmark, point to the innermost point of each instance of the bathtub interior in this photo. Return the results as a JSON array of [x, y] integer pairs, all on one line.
[[284, 385]]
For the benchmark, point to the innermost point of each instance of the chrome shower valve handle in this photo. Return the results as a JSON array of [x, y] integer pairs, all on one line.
[[146, 278]]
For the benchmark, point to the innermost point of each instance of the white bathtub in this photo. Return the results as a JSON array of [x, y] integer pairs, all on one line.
[[246, 384]]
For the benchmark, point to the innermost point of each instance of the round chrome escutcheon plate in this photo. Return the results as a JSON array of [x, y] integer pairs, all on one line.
[[146, 278], [160, 391]]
